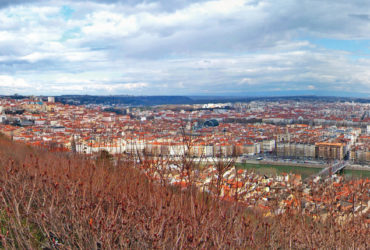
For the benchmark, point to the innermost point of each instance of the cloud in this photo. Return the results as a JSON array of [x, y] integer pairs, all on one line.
[[88, 87], [311, 87], [7, 3], [8, 81], [10, 85], [185, 47]]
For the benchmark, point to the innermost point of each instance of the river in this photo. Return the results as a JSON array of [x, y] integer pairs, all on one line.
[[272, 170]]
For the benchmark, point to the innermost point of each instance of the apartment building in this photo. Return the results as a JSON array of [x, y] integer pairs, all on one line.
[[330, 150]]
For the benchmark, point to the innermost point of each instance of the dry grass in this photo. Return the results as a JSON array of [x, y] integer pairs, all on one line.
[[58, 200]]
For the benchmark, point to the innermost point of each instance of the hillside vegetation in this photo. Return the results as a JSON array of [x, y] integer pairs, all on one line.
[[63, 201]]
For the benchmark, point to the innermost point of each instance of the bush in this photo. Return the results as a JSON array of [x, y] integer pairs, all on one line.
[[60, 200]]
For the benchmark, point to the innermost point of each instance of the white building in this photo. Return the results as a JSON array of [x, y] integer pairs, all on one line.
[[51, 99]]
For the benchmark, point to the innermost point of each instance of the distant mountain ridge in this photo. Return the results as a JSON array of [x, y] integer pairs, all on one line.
[[168, 100], [173, 100], [129, 100]]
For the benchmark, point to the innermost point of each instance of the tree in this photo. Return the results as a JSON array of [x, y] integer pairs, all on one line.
[[73, 145], [104, 159]]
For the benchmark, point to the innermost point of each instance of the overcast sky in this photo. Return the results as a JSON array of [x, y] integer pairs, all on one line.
[[179, 47]]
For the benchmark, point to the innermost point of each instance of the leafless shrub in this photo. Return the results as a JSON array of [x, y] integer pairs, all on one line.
[[63, 201]]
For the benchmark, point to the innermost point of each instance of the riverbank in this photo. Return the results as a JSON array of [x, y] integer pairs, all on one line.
[[359, 167], [307, 165], [271, 168]]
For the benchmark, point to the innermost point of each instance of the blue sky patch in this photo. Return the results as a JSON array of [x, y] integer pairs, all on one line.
[[357, 47], [70, 34], [66, 12]]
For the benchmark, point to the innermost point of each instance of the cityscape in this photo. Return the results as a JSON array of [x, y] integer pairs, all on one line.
[[184, 124], [289, 133], [286, 129]]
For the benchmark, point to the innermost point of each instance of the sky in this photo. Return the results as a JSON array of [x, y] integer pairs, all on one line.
[[179, 47]]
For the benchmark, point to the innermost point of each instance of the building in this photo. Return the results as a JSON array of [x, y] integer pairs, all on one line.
[[51, 99], [296, 150], [330, 150]]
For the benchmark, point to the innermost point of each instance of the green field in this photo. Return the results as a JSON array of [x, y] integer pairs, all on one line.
[[272, 170]]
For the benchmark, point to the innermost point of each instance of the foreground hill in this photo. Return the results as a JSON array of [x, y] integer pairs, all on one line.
[[59, 200]]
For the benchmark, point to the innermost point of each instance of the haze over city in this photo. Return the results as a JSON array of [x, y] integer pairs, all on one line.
[[177, 47]]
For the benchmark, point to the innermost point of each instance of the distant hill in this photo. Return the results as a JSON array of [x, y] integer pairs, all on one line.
[[175, 100], [128, 100], [233, 99], [168, 100]]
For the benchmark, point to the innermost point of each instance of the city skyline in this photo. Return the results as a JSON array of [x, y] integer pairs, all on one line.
[[217, 48]]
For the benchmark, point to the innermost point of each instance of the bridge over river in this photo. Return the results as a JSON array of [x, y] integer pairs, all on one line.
[[331, 169]]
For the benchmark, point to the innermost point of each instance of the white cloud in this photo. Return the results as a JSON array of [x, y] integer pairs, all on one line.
[[10, 85], [109, 24], [88, 87], [131, 86], [162, 47], [11, 82]]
